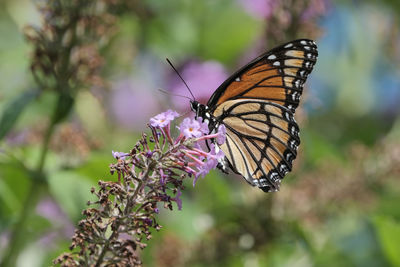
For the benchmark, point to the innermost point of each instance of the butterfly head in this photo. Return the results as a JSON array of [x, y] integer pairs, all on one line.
[[198, 109], [194, 105]]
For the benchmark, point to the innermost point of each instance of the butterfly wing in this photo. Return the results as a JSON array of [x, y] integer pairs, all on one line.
[[261, 140], [277, 76], [256, 104]]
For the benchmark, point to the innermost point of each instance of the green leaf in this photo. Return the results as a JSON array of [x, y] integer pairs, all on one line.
[[64, 105], [97, 167], [71, 190], [14, 182], [14, 110], [388, 232], [227, 31]]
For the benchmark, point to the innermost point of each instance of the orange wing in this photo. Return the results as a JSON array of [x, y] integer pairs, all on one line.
[[277, 76]]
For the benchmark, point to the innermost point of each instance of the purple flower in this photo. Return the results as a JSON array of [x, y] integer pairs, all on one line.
[[260, 9], [221, 134], [119, 155], [202, 77], [148, 221], [216, 155], [163, 119], [204, 169], [193, 128], [177, 199], [203, 126], [211, 162], [163, 177]]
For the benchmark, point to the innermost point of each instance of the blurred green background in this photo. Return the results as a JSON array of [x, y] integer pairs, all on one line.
[[338, 207]]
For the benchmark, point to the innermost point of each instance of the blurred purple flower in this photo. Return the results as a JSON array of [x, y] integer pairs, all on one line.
[[48, 239], [203, 78], [4, 239], [315, 8], [132, 103], [163, 119], [49, 209], [260, 9]]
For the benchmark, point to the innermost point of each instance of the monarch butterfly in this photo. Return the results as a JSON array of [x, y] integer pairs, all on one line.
[[257, 105]]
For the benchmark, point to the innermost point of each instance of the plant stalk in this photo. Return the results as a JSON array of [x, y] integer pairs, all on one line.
[[38, 180]]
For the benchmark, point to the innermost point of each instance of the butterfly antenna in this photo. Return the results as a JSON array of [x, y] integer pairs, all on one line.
[[169, 62], [168, 93]]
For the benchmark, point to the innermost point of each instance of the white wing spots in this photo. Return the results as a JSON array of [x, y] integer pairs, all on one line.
[[289, 157], [271, 57], [276, 63], [293, 130], [303, 42], [237, 79], [307, 48], [283, 168], [302, 73], [293, 144], [307, 64], [290, 107], [297, 83], [260, 182], [287, 116], [309, 55], [274, 177], [294, 96], [288, 45]]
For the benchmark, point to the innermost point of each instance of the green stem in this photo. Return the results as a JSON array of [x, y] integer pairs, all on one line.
[[38, 180]]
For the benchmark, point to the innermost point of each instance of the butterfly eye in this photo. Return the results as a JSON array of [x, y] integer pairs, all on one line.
[[194, 105]]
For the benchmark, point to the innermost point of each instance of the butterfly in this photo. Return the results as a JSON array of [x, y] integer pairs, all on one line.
[[257, 105]]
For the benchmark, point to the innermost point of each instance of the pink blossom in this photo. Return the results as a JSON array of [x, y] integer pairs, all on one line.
[[221, 134], [119, 155], [163, 119], [260, 9], [193, 128]]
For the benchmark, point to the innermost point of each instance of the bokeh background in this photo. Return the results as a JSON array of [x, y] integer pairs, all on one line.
[[338, 207]]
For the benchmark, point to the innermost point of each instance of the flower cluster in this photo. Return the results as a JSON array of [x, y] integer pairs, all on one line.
[[152, 173]]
